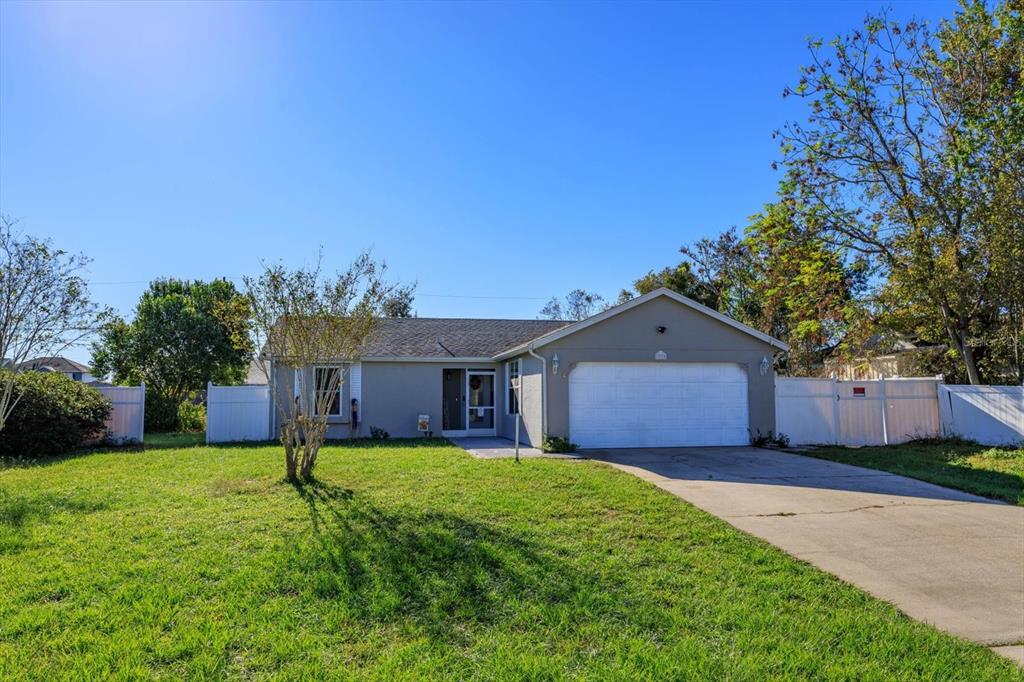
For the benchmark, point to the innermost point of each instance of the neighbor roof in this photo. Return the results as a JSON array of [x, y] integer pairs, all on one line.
[[57, 364], [432, 337]]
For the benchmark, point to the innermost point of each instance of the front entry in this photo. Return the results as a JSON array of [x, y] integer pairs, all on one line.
[[468, 402]]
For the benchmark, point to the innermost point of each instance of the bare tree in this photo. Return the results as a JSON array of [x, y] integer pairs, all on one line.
[[579, 304], [44, 305], [302, 319]]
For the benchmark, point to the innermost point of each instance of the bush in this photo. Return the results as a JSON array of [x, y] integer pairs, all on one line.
[[161, 413], [557, 444], [770, 441], [377, 433], [191, 417], [54, 414]]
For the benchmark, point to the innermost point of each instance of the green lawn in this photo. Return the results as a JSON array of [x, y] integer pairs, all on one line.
[[413, 560], [991, 472]]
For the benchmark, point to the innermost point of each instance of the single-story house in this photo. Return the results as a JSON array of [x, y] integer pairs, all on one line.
[[658, 370], [61, 365]]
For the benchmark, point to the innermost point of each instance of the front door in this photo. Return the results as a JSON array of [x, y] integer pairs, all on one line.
[[480, 403], [453, 395]]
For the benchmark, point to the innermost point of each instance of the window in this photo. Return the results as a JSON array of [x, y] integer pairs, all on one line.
[[329, 383], [512, 379]]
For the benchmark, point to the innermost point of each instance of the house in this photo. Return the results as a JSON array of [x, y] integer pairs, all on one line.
[[659, 370], [901, 358], [69, 368]]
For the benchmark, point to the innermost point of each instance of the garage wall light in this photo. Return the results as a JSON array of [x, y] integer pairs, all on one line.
[[765, 364], [554, 364]]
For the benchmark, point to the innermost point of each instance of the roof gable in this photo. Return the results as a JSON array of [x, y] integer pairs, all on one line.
[[633, 303]]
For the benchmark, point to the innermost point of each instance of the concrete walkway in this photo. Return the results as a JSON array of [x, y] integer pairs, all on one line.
[[942, 556], [502, 448]]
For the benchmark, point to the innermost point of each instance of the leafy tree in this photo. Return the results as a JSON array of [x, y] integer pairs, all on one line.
[[44, 305], [184, 334], [913, 156], [301, 319], [679, 279], [399, 303], [578, 305]]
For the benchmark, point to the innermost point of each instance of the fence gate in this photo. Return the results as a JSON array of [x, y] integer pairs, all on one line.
[[237, 413], [878, 412]]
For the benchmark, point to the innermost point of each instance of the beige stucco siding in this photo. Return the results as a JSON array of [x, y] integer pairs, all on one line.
[[632, 336]]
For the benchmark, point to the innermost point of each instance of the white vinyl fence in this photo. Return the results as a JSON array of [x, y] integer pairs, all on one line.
[[237, 413], [880, 412], [127, 420], [993, 415]]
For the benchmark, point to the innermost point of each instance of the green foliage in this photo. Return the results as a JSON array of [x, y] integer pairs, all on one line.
[[557, 444], [191, 417], [579, 304], [184, 334], [679, 279], [53, 414], [377, 433], [772, 440], [912, 156]]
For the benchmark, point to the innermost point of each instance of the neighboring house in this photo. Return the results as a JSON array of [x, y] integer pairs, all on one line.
[[659, 370], [903, 358], [69, 368]]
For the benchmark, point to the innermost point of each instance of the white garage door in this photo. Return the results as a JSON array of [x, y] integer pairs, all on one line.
[[641, 404]]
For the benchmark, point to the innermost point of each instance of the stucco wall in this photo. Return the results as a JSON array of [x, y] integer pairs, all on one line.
[[632, 336], [530, 413], [396, 393]]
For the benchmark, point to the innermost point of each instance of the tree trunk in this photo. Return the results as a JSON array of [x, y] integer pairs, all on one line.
[[966, 354]]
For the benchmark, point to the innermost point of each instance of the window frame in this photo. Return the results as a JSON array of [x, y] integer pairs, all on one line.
[[510, 390], [341, 391]]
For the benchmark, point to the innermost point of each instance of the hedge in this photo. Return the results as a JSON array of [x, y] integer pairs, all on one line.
[[53, 414]]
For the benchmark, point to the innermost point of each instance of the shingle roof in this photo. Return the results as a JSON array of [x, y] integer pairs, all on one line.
[[57, 364], [432, 337]]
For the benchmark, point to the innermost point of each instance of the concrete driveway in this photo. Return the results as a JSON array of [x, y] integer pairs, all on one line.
[[942, 556]]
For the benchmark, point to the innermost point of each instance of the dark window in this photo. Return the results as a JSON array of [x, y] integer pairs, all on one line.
[[328, 387], [512, 378]]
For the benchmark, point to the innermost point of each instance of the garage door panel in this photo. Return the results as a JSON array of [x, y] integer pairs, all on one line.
[[658, 404]]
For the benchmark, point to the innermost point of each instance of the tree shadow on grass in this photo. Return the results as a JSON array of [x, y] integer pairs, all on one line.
[[440, 571]]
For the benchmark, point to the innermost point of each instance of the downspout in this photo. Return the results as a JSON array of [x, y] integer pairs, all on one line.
[[543, 390]]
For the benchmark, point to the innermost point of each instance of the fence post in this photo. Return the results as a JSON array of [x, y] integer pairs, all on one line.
[[142, 413], [835, 410], [884, 402], [209, 392]]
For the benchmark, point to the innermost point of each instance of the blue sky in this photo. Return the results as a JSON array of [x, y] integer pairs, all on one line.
[[496, 154]]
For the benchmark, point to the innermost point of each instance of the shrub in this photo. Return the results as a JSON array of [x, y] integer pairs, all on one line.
[[771, 440], [161, 413], [557, 444], [53, 414], [378, 433], [191, 417]]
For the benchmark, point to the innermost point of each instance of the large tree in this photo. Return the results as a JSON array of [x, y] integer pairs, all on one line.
[[679, 279], [45, 306], [913, 156], [183, 334], [304, 318]]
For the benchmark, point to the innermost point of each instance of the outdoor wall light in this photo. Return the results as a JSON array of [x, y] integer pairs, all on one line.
[[765, 364], [554, 364]]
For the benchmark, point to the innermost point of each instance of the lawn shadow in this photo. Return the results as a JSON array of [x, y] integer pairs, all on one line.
[[440, 571]]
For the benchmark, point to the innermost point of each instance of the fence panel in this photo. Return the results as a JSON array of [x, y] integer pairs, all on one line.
[[993, 415], [237, 413], [805, 410], [856, 413], [128, 417], [912, 409]]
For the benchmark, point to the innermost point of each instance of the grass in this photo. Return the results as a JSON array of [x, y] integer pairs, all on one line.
[[997, 473], [410, 561]]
